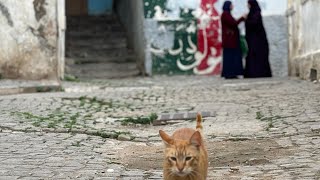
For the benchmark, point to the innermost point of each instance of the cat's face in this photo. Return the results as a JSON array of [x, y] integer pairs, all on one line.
[[182, 156]]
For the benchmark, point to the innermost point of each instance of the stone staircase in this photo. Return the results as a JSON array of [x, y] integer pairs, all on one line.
[[96, 47]]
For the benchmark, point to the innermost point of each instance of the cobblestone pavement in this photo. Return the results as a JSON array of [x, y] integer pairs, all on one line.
[[260, 128]]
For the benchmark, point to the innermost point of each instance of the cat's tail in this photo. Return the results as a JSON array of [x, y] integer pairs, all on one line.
[[199, 122]]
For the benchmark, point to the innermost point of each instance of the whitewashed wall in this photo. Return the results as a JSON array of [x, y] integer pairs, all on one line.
[[28, 39], [304, 42]]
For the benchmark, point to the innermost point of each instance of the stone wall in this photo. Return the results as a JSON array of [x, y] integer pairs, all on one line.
[[28, 36], [304, 41]]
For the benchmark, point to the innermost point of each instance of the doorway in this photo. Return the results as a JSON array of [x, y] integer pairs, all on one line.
[[97, 42]]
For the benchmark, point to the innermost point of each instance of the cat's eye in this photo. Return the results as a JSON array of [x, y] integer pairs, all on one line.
[[173, 158], [188, 158]]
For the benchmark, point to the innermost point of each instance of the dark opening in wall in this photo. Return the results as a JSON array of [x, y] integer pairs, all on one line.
[[97, 45], [313, 75]]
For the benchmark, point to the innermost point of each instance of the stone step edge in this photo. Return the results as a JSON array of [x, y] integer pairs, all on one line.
[[20, 89], [170, 118]]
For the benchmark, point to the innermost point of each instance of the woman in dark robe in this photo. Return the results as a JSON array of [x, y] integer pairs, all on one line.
[[257, 61], [232, 57]]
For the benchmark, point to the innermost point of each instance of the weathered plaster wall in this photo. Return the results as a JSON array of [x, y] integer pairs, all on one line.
[[304, 41], [183, 37], [28, 36], [277, 30], [131, 14]]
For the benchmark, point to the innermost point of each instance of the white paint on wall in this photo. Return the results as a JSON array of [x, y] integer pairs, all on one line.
[[175, 52], [162, 38], [304, 39], [159, 15], [310, 27], [174, 6]]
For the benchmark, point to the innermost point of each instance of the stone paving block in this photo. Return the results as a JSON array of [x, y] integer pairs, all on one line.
[[284, 142], [315, 128], [8, 177], [155, 138], [124, 137], [30, 178], [140, 139]]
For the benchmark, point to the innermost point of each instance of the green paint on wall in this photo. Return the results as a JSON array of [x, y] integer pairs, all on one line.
[[186, 13], [149, 7], [167, 63]]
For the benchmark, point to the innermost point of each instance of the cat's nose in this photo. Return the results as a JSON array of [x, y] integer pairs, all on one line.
[[180, 169]]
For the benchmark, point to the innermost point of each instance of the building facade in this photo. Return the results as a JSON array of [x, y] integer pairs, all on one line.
[[304, 39], [168, 36]]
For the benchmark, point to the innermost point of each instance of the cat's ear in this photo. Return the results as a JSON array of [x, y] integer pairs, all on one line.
[[196, 139], [166, 138]]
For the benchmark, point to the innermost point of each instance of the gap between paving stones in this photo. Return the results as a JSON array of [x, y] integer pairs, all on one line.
[[99, 133]]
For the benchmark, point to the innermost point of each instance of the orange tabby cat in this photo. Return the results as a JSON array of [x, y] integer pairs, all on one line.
[[186, 157]]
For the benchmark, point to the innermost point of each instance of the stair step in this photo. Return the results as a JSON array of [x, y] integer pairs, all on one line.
[[86, 34], [102, 41], [89, 53], [103, 70], [92, 60], [110, 66], [91, 19], [96, 27], [96, 46], [114, 25]]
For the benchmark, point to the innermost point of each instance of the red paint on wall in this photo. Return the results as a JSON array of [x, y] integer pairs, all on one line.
[[213, 38]]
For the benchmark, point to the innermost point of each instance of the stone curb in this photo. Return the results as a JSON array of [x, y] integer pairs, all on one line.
[[19, 87], [171, 118]]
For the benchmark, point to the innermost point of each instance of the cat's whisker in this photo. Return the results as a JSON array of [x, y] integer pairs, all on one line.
[[196, 173], [171, 174]]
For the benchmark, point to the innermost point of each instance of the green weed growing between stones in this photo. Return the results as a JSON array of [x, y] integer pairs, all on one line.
[[139, 120], [72, 121], [259, 115], [271, 119], [71, 78], [110, 134]]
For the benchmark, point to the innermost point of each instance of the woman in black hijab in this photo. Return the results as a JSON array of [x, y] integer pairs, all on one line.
[[257, 61], [232, 57]]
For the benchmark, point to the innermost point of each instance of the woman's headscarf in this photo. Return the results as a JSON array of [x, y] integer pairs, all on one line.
[[254, 6], [227, 6]]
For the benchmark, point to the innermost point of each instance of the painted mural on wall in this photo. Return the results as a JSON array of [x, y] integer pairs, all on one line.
[[183, 36]]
